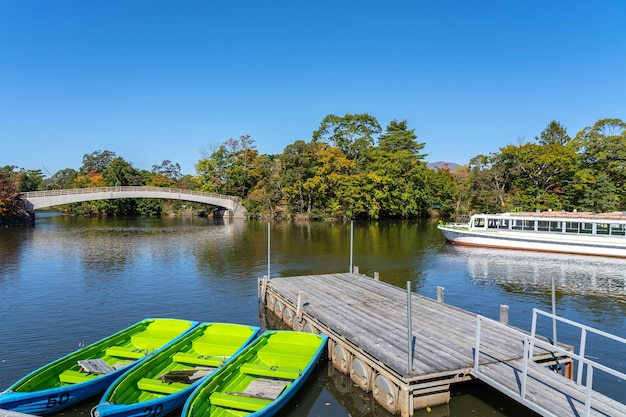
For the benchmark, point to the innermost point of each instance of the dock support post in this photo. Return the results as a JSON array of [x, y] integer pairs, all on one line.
[[409, 327], [263, 287], [376, 276], [300, 304], [504, 314], [440, 295]]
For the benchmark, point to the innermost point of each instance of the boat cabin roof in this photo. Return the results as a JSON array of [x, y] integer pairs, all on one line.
[[562, 215]]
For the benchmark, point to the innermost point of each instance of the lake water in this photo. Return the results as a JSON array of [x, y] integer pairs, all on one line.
[[69, 281]]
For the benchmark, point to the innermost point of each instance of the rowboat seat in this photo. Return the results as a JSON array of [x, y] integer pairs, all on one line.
[[154, 385], [144, 341], [75, 377], [123, 352], [239, 402], [270, 371], [194, 359]]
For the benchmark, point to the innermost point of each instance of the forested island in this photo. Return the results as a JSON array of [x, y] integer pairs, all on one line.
[[353, 169]]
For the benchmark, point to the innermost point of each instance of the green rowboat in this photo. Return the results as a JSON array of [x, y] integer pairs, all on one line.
[[261, 379], [162, 383]]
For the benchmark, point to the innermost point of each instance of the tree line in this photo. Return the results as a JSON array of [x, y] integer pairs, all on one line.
[[352, 168]]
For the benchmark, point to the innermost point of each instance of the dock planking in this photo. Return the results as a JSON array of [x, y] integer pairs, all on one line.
[[368, 318]]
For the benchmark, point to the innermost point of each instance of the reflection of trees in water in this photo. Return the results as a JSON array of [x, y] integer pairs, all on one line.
[[11, 242]]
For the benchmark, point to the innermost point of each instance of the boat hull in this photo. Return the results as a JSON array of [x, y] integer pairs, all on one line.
[[283, 358], [228, 340], [44, 391], [535, 242]]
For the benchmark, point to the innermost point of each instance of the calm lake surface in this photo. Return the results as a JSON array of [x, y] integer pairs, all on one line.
[[69, 281]]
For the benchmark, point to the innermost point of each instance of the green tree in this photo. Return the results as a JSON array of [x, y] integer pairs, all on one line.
[[167, 174], [398, 137], [555, 133], [602, 149], [30, 180], [120, 172], [299, 162], [60, 180], [489, 182], [352, 133], [96, 161]]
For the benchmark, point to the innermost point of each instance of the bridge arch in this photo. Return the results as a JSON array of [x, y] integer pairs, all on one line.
[[228, 206]]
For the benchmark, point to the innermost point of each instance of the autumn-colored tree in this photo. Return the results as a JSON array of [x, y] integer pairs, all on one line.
[[12, 206]]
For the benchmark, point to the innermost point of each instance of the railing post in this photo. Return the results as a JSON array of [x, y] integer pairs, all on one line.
[[581, 353], [588, 390], [525, 368], [477, 346]]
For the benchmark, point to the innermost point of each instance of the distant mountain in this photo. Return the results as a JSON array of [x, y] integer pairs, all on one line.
[[441, 164]]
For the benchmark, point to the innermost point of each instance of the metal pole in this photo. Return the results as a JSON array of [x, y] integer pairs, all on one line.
[[553, 313], [268, 251], [409, 326], [351, 242]]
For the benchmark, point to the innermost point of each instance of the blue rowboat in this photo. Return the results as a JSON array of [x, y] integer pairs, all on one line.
[[91, 369]]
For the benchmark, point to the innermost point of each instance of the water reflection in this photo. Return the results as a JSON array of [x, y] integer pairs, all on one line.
[[534, 270]]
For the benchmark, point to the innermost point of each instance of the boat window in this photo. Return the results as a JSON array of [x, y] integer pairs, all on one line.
[[618, 229], [586, 228], [524, 224], [602, 229], [503, 224], [479, 222], [572, 227], [556, 226], [543, 226]]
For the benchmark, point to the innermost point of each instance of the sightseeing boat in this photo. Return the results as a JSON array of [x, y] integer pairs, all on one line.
[[91, 369], [582, 233], [163, 382], [261, 379]]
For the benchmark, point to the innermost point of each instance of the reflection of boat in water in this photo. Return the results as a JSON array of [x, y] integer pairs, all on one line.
[[574, 274], [575, 233]]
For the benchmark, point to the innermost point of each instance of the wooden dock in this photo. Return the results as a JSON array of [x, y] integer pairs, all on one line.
[[366, 321]]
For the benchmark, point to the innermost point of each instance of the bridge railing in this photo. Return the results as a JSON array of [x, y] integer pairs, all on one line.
[[131, 188]]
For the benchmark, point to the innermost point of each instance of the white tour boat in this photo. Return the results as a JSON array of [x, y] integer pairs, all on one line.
[[565, 232]]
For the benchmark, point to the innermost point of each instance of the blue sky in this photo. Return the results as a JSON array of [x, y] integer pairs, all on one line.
[[166, 80]]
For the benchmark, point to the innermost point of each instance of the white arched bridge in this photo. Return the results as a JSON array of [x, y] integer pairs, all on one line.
[[229, 206]]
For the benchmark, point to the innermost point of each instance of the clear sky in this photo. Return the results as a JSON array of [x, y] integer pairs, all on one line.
[[159, 80]]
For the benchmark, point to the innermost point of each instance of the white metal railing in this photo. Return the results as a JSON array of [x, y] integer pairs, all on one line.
[[131, 188], [531, 341], [583, 335]]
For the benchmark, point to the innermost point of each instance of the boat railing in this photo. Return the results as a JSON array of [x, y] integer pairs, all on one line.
[[530, 342]]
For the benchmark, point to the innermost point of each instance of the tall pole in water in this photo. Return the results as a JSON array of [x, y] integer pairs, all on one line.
[[409, 326], [268, 251], [351, 243], [553, 312]]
